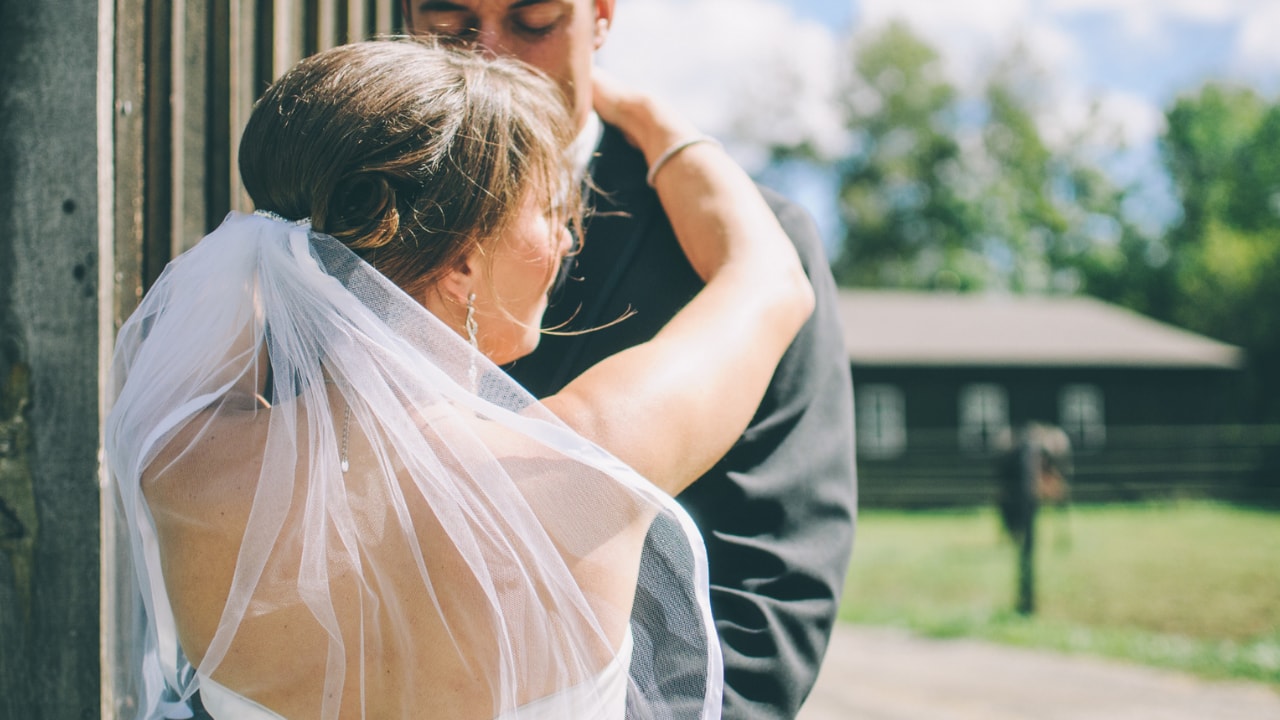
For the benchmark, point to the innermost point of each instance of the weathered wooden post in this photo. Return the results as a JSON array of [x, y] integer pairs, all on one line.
[[1019, 500], [49, 359], [1029, 462], [1034, 470]]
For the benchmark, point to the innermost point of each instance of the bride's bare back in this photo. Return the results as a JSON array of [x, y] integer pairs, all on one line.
[[201, 501]]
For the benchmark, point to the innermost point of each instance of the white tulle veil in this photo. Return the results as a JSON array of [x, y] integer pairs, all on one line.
[[473, 555]]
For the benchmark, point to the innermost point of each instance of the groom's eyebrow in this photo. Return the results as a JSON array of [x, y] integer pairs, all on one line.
[[440, 5], [447, 6]]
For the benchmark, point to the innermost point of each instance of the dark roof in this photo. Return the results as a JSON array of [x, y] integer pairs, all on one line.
[[946, 329]]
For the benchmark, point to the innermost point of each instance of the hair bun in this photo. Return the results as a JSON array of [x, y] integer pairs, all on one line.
[[364, 214]]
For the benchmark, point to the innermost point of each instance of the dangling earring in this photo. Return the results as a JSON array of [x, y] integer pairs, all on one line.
[[472, 327]]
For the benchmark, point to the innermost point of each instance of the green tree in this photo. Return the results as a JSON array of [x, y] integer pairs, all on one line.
[[1203, 140], [1254, 183], [955, 192], [1222, 151], [1204, 135], [907, 223], [1024, 221]]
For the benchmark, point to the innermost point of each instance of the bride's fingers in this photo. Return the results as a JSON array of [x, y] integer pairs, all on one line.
[[647, 123], [609, 96]]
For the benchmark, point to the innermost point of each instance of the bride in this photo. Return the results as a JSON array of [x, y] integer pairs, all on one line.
[[339, 506]]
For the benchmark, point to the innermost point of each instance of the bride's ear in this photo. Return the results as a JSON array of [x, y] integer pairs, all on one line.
[[456, 284], [454, 287]]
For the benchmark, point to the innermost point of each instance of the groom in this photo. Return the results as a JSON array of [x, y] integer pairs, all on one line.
[[777, 513]]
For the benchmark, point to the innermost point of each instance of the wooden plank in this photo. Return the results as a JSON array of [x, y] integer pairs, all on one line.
[[49, 351], [191, 88], [384, 17], [118, 607], [357, 20], [327, 24], [217, 162], [158, 139], [287, 26], [130, 155], [242, 57]]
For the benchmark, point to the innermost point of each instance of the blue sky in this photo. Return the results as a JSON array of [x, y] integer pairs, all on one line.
[[1150, 47], [756, 72], [832, 13]]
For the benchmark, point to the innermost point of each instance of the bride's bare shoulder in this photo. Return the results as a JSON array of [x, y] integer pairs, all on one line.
[[207, 457]]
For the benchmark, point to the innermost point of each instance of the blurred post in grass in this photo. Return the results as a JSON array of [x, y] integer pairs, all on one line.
[[1034, 469]]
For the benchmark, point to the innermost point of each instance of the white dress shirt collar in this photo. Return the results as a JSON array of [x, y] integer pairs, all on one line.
[[584, 145]]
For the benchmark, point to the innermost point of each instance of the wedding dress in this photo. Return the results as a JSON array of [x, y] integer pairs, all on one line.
[[603, 696], [339, 508]]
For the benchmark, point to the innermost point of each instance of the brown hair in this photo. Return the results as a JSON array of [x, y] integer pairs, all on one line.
[[409, 152]]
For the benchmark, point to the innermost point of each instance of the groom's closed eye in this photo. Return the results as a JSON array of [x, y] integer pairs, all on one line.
[[531, 18], [539, 18], [444, 18]]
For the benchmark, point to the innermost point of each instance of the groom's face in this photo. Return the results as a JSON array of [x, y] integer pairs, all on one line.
[[558, 37]]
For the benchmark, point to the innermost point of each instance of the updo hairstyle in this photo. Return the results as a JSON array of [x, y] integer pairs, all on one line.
[[411, 153]]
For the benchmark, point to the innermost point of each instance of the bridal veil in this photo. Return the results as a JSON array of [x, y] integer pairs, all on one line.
[[337, 508]]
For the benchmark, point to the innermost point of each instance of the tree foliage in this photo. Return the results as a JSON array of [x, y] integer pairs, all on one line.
[[1222, 151], [955, 192], [900, 195]]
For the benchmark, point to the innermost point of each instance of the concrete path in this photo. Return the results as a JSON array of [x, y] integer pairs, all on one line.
[[881, 674]]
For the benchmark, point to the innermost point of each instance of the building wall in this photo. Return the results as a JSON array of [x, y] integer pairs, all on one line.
[[1136, 432]]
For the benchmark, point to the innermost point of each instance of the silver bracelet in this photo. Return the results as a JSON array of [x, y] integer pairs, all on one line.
[[672, 151]]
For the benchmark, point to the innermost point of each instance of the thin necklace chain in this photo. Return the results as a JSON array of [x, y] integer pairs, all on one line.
[[346, 434], [346, 427]]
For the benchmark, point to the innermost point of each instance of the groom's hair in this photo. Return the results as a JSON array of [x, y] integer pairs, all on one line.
[[411, 153]]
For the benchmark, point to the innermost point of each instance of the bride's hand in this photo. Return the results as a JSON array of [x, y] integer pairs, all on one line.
[[647, 123], [654, 128]]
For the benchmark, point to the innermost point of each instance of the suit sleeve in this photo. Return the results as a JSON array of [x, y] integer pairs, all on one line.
[[778, 511]]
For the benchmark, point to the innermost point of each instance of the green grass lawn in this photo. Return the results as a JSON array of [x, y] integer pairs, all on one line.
[[1190, 585]]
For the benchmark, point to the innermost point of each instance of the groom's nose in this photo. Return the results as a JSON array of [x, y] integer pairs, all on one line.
[[492, 41]]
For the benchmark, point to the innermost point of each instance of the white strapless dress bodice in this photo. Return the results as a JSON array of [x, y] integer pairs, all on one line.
[[603, 697], [222, 702]]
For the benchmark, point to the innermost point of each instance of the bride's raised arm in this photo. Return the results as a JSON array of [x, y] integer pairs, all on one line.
[[671, 407]]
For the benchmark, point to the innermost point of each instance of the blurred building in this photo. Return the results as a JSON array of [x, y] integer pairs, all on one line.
[[941, 381]]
